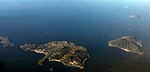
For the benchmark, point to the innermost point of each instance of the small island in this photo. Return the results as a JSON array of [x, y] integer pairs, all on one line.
[[128, 44], [4, 40], [134, 16], [64, 52]]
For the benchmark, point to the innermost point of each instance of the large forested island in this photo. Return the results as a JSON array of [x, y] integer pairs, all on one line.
[[60, 51], [128, 44]]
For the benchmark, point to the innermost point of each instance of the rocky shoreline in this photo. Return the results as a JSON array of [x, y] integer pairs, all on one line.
[[64, 52]]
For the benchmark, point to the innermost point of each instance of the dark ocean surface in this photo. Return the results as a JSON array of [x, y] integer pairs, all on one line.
[[89, 23]]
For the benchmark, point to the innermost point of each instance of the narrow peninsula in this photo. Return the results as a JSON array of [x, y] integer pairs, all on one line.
[[64, 52]]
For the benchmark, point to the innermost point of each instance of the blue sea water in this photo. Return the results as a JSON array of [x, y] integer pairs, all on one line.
[[89, 23]]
